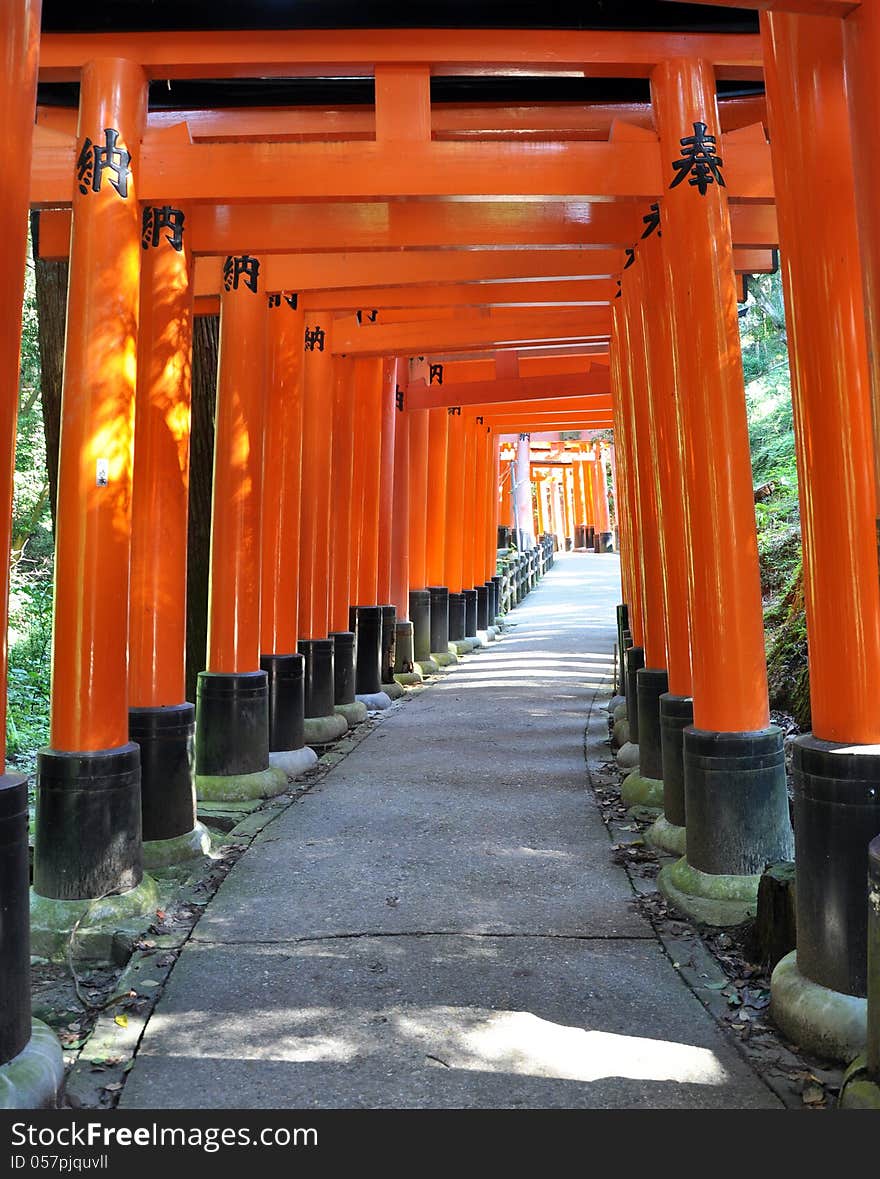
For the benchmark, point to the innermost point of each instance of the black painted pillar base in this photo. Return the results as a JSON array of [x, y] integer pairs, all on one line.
[[88, 823], [491, 603], [737, 823], [634, 661], [389, 637], [439, 619], [818, 993], [676, 714], [166, 737], [31, 1060], [482, 607], [232, 723], [404, 652], [343, 666], [15, 952], [368, 661], [319, 677], [622, 625], [420, 616], [644, 786], [498, 582], [470, 612], [836, 815], [287, 700], [457, 613]]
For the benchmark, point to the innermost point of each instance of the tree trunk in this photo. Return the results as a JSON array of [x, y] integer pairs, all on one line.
[[201, 473], [51, 285]]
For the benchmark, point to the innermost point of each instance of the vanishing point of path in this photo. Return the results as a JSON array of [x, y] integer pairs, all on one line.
[[439, 924]]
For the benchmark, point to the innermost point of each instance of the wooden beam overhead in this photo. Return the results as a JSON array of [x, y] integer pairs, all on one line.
[[432, 269], [174, 170], [505, 392], [499, 329], [357, 52], [481, 120], [378, 225]]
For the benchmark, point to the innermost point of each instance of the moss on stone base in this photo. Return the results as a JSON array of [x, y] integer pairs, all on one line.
[[409, 679], [639, 791], [393, 690], [444, 658], [667, 836], [628, 756], [180, 849], [859, 1090], [96, 921], [714, 900], [35, 1078], [239, 787], [321, 730], [354, 713], [428, 666], [814, 1017]]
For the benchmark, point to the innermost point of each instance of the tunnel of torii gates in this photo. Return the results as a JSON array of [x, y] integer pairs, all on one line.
[[392, 322]]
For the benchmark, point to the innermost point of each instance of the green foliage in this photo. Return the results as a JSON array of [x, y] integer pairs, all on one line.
[[30, 591], [774, 471]]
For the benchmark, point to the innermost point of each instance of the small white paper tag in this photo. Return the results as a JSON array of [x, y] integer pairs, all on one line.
[[102, 472]]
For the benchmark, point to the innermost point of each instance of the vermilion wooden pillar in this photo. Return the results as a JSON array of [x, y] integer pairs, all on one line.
[[19, 52], [400, 534], [322, 723], [861, 40], [438, 444], [630, 607], [654, 605], [836, 768], [386, 477], [282, 488], [341, 514], [454, 538], [366, 615], [468, 575], [26, 1045], [232, 708], [161, 721], [282, 494], [737, 807], [676, 705], [419, 598], [88, 840], [645, 786], [386, 507]]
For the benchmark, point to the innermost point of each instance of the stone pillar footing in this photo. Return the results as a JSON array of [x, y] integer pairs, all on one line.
[[97, 922], [34, 1079], [737, 823], [324, 730], [667, 837], [179, 849], [374, 700], [816, 1018], [639, 790], [628, 753], [293, 761]]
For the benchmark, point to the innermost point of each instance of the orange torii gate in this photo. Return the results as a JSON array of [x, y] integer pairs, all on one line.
[[260, 216]]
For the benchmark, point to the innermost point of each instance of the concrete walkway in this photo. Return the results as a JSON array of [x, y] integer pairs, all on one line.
[[439, 924]]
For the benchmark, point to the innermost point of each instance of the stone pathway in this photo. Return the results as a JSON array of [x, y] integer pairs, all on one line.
[[439, 924]]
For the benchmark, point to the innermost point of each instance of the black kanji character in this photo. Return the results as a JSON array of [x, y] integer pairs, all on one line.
[[315, 339], [399, 397], [372, 316], [652, 221], [630, 257], [698, 157], [159, 217], [93, 161], [454, 410], [435, 371], [241, 268]]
